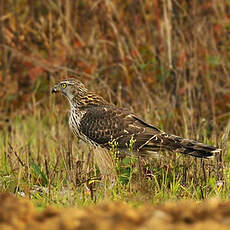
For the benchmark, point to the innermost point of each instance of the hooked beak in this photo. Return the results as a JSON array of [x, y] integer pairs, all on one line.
[[55, 89]]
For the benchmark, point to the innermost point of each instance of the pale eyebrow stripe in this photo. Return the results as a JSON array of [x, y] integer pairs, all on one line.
[[67, 82]]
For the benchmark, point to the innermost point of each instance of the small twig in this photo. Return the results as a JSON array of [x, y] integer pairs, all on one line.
[[47, 168], [12, 151], [204, 172]]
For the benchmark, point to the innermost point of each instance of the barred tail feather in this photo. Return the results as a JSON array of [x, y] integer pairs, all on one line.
[[195, 148], [175, 143]]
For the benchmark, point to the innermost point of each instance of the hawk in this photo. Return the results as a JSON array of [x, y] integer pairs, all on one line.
[[96, 121]]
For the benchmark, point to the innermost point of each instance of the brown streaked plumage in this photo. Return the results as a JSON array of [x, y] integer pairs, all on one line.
[[96, 121]]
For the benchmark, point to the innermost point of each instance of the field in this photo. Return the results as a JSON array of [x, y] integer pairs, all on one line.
[[166, 61]]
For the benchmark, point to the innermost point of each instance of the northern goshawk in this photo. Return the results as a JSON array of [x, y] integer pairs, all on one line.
[[99, 122]]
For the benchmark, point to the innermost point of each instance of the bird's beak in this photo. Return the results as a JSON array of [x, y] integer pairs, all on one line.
[[55, 89]]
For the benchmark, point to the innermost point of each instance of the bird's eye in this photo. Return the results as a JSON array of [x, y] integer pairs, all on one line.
[[63, 85]]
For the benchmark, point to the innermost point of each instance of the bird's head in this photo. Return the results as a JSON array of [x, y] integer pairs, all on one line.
[[70, 88]]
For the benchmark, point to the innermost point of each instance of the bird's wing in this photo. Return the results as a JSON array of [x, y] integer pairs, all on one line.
[[102, 124]]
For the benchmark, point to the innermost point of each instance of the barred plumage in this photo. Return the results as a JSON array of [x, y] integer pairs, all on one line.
[[98, 122]]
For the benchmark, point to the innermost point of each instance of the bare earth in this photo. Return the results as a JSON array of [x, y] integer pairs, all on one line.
[[19, 213]]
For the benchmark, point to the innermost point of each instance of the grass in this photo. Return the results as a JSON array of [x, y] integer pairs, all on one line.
[[41, 160], [166, 61]]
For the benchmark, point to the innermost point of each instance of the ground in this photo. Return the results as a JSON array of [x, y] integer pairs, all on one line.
[[19, 213]]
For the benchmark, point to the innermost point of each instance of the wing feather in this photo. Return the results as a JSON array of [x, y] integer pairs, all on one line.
[[102, 124]]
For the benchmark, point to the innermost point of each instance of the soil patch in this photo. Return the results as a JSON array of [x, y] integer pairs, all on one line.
[[20, 214]]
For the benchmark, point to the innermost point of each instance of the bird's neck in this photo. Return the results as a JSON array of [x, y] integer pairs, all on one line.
[[84, 101]]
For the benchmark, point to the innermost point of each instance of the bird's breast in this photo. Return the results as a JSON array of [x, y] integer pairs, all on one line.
[[74, 120], [74, 123]]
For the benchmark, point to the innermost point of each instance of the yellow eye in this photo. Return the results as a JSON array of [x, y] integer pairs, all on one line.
[[63, 85]]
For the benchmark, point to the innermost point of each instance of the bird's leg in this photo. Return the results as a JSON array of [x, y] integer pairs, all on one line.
[[105, 164]]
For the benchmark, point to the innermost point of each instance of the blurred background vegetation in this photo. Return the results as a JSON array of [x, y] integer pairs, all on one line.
[[166, 60], [173, 53]]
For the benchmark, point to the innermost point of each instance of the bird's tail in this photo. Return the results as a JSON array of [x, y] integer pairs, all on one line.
[[175, 143]]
